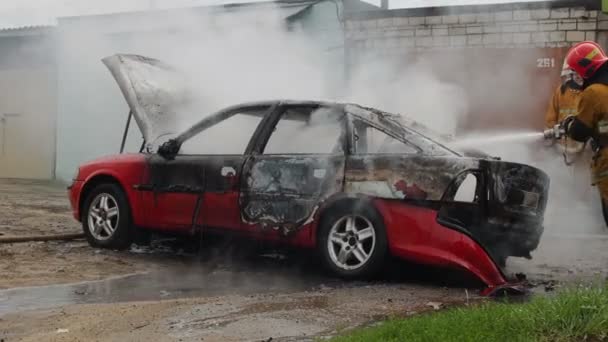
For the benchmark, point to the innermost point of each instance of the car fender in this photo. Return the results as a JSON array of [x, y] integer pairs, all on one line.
[[133, 196]]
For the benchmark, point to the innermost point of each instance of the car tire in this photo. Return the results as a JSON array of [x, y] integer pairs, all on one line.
[[106, 218], [352, 240]]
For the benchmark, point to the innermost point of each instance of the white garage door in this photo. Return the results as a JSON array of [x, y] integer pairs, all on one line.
[[27, 123]]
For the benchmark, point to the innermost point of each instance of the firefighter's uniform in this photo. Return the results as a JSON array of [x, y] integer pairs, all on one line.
[[590, 61], [593, 113], [563, 103]]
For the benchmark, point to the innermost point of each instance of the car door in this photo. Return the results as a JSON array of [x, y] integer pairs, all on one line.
[[200, 186], [298, 163]]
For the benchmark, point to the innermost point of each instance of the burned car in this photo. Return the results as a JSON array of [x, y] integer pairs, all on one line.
[[356, 184]]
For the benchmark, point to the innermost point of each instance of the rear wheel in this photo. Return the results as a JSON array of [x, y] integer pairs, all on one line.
[[352, 240], [106, 217]]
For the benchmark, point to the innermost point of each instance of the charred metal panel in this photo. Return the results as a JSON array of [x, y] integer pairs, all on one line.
[[183, 174], [501, 237], [283, 191], [506, 217], [196, 174], [156, 93], [518, 189], [403, 176], [509, 219], [518, 199], [179, 190], [403, 128]]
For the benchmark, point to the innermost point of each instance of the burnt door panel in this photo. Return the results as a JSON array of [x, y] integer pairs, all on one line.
[[178, 187], [174, 186], [220, 205], [282, 191]]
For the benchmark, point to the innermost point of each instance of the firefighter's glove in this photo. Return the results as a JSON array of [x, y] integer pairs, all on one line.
[[567, 124]]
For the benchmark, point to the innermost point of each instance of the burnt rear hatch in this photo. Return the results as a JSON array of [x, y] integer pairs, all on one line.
[[506, 218]]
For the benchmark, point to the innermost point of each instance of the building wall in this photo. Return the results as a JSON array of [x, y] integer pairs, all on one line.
[[544, 27], [506, 58], [92, 111]]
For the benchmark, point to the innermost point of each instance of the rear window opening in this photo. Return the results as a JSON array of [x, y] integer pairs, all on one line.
[[467, 191], [464, 188]]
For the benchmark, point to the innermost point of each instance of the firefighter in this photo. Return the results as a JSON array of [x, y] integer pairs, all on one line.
[[590, 123], [563, 104], [574, 178], [565, 97]]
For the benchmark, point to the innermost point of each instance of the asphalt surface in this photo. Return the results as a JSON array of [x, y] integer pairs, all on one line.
[[229, 290]]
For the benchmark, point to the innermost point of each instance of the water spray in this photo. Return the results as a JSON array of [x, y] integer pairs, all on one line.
[[495, 138]]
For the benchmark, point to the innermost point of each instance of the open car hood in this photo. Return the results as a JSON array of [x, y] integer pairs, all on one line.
[[155, 92]]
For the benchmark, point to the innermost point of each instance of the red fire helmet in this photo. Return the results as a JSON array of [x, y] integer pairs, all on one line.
[[585, 58]]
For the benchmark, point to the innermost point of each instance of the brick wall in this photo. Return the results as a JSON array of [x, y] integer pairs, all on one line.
[[515, 50], [540, 27]]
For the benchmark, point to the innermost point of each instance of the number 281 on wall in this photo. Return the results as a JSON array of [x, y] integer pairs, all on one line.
[[545, 62]]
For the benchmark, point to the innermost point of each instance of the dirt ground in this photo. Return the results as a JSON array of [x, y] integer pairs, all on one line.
[[67, 291], [36, 208], [292, 316]]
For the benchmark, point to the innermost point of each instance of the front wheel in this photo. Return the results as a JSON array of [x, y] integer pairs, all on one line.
[[352, 240], [106, 217]]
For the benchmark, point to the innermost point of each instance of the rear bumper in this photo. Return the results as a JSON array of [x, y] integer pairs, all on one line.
[[501, 239], [514, 240], [74, 191], [418, 234], [415, 234]]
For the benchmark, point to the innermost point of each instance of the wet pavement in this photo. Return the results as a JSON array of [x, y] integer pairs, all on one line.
[[239, 270], [180, 281], [227, 291]]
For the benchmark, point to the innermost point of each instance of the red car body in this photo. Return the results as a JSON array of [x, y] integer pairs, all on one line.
[[285, 198], [423, 241]]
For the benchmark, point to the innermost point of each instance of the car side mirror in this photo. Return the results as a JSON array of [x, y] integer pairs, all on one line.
[[169, 149]]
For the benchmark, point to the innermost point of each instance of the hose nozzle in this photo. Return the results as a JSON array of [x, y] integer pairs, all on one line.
[[555, 133]]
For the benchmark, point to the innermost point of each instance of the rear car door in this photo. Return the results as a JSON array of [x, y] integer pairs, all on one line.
[[298, 163]]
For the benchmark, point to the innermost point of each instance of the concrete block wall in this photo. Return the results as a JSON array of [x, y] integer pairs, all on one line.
[[508, 28]]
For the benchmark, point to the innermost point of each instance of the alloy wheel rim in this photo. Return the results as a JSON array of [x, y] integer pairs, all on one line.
[[351, 242], [103, 216]]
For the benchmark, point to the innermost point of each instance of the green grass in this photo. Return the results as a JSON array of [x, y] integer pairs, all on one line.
[[576, 314]]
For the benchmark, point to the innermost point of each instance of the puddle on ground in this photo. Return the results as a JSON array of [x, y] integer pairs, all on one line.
[[227, 273], [179, 282]]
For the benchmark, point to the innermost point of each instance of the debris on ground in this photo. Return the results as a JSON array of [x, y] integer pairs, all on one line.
[[275, 256], [550, 285], [521, 277], [434, 305]]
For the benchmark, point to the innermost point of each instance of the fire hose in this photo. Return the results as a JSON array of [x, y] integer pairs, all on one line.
[[558, 132], [33, 238]]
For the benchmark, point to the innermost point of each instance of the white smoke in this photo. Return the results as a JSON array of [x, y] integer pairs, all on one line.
[[411, 88], [248, 57], [231, 58]]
